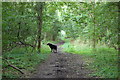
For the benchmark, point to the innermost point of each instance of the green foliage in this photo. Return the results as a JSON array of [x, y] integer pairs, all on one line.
[[25, 60], [77, 47], [92, 23], [17, 23], [104, 61], [45, 49]]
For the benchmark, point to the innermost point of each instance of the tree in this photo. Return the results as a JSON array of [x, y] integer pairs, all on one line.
[[39, 8]]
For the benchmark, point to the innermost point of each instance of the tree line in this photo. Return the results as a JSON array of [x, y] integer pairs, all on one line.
[[28, 24]]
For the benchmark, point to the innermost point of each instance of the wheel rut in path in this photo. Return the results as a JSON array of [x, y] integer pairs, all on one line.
[[62, 65]]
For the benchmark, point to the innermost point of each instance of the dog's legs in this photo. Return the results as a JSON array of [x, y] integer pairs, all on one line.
[[55, 51], [51, 50]]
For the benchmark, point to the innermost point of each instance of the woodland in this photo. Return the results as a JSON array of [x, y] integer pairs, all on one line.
[[87, 29]]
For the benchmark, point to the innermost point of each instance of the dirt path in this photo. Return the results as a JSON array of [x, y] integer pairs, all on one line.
[[62, 65]]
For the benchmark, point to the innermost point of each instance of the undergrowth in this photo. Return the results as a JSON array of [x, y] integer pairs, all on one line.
[[24, 59], [103, 61]]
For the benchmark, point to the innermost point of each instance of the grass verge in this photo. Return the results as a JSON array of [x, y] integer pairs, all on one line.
[[24, 60], [103, 62]]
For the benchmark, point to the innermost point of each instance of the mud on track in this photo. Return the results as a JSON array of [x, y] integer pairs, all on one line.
[[62, 65]]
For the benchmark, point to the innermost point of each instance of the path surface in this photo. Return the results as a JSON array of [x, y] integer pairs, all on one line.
[[62, 65]]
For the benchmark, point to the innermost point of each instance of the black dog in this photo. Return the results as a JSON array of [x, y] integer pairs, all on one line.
[[53, 47]]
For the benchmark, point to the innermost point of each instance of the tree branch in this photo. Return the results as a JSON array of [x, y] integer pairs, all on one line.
[[25, 44], [13, 66]]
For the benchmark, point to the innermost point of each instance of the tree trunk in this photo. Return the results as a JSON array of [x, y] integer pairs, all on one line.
[[94, 36], [94, 32], [54, 37], [119, 27], [39, 8]]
